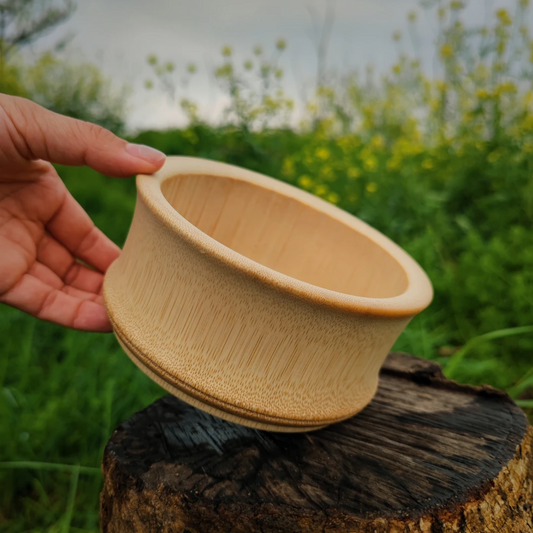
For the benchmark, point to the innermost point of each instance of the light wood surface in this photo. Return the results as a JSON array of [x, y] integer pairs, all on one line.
[[426, 456], [261, 302]]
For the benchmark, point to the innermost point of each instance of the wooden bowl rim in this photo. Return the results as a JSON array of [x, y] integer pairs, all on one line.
[[415, 298]]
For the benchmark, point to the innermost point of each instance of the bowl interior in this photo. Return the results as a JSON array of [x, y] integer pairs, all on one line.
[[286, 235]]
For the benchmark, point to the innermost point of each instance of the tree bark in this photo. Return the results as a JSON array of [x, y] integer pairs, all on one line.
[[426, 456]]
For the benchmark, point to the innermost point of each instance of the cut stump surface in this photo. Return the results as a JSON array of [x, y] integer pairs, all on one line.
[[427, 455]]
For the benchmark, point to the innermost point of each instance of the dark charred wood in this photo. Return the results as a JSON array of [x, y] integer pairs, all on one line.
[[427, 455]]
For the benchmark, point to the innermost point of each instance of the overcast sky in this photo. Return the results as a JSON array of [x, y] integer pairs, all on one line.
[[120, 34]]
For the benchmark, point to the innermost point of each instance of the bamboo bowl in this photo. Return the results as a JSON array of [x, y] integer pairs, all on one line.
[[255, 301]]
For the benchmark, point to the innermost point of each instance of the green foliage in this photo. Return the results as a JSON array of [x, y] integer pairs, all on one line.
[[11, 76], [24, 21], [254, 88], [76, 89], [61, 395]]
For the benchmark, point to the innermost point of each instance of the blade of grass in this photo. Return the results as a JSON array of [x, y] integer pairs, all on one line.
[[25, 354], [522, 384], [457, 358], [71, 500], [58, 467], [527, 404]]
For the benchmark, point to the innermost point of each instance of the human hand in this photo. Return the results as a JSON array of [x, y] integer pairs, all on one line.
[[46, 238]]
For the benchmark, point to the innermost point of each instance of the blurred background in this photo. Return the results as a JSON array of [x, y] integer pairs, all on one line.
[[415, 116]]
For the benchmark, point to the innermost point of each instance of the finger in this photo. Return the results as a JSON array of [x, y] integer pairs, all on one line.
[[62, 263], [72, 227], [46, 303], [41, 134], [83, 295], [54, 255], [85, 279], [43, 273]]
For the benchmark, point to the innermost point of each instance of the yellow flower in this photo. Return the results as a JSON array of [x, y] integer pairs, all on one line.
[[528, 147], [394, 163], [504, 17], [320, 190], [446, 51], [371, 163], [326, 92], [494, 156], [377, 141], [435, 104], [371, 187], [482, 93], [225, 71], [397, 69], [226, 51], [333, 197], [322, 153], [506, 87], [305, 181], [308, 161], [288, 167], [344, 144], [354, 172], [281, 44]]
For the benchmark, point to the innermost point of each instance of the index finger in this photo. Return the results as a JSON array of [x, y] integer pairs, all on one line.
[[41, 134]]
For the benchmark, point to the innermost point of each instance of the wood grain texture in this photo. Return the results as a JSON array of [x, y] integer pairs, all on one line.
[[260, 302], [426, 456]]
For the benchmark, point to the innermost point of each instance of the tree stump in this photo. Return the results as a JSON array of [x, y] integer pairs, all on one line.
[[427, 455]]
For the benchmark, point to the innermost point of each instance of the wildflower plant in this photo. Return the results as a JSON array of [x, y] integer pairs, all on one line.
[[254, 89], [442, 164]]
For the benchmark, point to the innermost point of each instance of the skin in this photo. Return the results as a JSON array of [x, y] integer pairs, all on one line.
[[52, 256]]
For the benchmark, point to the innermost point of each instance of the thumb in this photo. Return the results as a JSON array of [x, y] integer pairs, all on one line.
[[41, 134]]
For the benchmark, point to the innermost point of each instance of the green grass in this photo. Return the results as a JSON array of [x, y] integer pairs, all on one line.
[[63, 392], [61, 395], [443, 166]]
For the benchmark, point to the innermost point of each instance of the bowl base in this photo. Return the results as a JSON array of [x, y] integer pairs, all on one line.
[[195, 402]]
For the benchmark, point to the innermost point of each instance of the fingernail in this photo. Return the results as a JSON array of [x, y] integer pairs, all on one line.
[[147, 153]]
